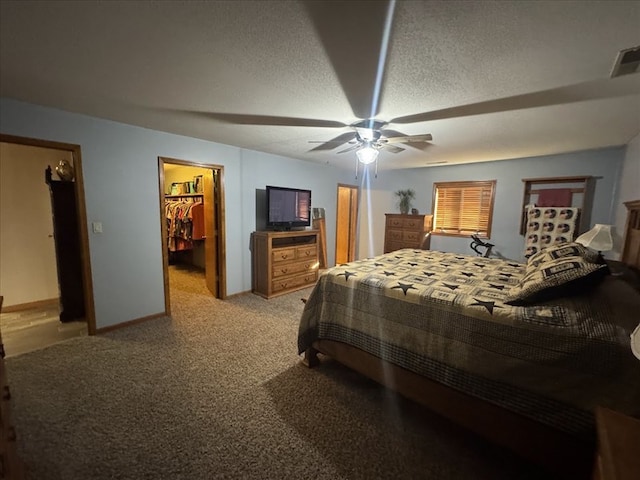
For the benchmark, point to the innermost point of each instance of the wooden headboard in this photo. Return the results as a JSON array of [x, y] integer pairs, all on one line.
[[631, 245]]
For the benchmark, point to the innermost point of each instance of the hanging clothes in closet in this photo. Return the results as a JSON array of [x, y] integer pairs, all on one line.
[[185, 223]]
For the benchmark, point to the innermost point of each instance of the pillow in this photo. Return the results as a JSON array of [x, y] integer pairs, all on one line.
[[563, 250], [560, 277]]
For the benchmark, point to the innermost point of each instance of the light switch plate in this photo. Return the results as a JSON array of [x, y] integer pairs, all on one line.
[[97, 227]]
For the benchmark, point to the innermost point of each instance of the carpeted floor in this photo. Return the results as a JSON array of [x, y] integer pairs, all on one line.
[[219, 392]]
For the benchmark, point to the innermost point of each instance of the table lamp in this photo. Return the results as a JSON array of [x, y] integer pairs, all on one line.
[[598, 238]]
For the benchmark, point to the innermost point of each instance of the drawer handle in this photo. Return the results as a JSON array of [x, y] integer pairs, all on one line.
[[307, 253], [283, 256], [6, 393], [284, 270]]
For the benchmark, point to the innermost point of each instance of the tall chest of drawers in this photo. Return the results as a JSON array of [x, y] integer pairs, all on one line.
[[407, 231], [284, 261]]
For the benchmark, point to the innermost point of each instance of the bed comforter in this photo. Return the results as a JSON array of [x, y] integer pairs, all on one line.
[[442, 315]]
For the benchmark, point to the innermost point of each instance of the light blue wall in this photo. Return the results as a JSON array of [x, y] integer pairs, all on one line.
[[120, 168], [604, 164]]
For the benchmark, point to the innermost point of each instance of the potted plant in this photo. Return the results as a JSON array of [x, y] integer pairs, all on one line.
[[405, 197]]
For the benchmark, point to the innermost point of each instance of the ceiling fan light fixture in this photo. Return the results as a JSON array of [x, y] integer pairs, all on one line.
[[367, 154], [367, 134]]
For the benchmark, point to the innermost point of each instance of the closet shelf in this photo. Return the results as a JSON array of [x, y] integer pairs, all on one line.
[[183, 195]]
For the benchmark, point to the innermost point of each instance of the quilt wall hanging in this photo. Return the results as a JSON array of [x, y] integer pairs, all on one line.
[[547, 226]]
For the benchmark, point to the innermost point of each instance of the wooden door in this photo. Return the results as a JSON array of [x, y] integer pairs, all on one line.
[[346, 223], [210, 232]]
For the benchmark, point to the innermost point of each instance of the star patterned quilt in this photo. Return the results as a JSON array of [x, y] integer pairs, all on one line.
[[442, 315]]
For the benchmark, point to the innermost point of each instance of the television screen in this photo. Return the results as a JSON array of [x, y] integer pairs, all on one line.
[[288, 207]]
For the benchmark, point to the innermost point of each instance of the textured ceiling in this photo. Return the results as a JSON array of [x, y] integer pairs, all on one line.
[[488, 80]]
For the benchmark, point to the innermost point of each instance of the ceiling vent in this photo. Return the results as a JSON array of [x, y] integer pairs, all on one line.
[[627, 61]]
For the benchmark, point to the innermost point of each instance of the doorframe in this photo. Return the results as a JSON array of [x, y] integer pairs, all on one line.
[[220, 226], [81, 212], [353, 218]]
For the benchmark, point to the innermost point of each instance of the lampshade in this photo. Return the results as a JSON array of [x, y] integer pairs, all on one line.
[[367, 154], [598, 238]]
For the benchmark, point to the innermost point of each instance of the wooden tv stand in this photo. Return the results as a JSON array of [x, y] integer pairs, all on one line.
[[283, 262]]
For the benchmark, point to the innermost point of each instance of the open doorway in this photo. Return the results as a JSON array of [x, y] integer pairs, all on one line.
[[346, 223], [45, 300], [192, 225]]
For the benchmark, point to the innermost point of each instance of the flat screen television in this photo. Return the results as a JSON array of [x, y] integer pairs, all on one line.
[[288, 208]]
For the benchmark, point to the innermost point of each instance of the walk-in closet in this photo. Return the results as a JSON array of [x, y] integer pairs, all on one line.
[[191, 225]]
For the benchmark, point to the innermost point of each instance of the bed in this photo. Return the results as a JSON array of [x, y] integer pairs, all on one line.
[[519, 353]]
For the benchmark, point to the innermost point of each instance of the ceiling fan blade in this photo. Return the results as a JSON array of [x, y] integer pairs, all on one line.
[[353, 52], [350, 149], [420, 145], [581, 92], [270, 120], [334, 142], [392, 148], [388, 133], [409, 139]]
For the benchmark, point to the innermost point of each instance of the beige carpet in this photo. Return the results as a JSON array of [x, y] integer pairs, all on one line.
[[219, 393]]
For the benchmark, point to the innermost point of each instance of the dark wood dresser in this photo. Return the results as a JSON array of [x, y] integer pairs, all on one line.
[[11, 467], [618, 456], [631, 239], [407, 231]]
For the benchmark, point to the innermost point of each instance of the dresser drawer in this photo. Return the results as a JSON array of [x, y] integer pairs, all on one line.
[[393, 246], [280, 284], [395, 222], [285, 269], [413, 223], [395, 235], [411, 238], [307, 251], [283, 255]]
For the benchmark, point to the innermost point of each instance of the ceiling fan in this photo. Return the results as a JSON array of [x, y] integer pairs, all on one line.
[[369, 137]]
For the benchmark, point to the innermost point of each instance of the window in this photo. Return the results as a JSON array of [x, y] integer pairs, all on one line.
[[463, 208]]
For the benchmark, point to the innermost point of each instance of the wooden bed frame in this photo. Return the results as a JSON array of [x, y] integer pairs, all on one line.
[[631, 245], [557, 451]]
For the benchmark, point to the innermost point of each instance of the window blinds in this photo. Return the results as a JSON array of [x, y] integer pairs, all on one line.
[[463, 208]]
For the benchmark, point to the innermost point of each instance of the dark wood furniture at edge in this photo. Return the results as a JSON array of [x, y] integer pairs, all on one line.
[[631, 245], [283, 262], [67, 242], [11, 467], [618, 446]]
